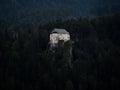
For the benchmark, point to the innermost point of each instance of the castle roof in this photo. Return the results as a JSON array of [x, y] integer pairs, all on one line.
[[60, 31]]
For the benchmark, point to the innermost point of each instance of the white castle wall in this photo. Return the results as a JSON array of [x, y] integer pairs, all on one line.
[[54, 38]]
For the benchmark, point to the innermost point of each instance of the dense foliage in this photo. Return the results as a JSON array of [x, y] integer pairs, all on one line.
[[25, 61]]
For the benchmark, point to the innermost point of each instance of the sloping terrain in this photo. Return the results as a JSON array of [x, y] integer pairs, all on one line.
[[17, 12]]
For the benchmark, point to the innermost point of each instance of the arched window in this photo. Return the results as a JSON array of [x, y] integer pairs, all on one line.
[[54, 32]]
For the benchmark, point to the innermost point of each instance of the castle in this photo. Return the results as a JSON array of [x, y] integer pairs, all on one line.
[[58, 34]]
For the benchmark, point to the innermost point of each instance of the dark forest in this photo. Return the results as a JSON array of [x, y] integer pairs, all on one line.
[[25, 62]]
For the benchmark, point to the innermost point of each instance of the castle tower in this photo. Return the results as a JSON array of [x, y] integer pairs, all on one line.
[[60, 46]]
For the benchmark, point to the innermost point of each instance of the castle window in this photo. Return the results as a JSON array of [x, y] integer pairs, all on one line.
[[54, 32]]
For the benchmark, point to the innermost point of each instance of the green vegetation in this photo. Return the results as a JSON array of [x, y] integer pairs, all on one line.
[[25, 61]]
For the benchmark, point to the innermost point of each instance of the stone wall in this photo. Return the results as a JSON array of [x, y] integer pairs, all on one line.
[[54, 38]]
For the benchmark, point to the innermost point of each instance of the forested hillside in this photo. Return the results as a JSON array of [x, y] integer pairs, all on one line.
[[19, 13], [26, 64]]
